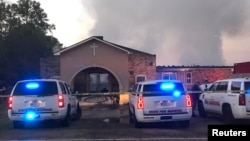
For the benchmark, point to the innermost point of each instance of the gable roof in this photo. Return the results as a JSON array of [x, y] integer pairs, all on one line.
[[100, 38]]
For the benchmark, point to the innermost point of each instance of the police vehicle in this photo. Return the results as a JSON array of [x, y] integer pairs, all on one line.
[[229, 98], [160, 101], [40, 100]]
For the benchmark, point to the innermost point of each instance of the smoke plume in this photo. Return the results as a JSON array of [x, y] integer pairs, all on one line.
[[179, 32]]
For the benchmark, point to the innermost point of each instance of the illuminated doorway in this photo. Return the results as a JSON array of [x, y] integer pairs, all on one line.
[[95, 80]]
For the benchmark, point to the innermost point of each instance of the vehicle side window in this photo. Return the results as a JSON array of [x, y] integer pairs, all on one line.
[[67, 89], [70, 90], [62, 88], [247, 87], [222, 87], [235, 87], [134, 89], [214, 86], [139, 88]]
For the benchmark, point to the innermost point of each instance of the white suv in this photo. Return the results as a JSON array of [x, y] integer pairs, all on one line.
[[40, 100], [229, 98], [159, 101]]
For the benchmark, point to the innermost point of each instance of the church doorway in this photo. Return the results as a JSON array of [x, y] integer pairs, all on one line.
[[95, 80]]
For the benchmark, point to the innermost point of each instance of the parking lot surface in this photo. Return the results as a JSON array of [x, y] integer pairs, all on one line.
[[106, 121]]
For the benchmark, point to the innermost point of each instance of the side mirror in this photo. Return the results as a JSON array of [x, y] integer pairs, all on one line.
[[205, 89]]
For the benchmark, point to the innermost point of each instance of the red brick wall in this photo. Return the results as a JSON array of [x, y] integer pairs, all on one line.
[[141, 64], [243, 67], [198, 74]]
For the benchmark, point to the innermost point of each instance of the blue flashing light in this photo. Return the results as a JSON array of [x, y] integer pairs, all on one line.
[[167, 86], [248, 91], [32, 85], [30, 115], [176, 93]]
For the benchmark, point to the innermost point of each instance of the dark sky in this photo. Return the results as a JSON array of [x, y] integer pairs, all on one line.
[[179, 32]]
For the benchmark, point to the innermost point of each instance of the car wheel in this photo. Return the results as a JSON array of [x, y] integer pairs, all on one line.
[[185, 123], [202, 112], [78, 112], [228, 115], [66, 121], [136, 123], [18, 124], [130, 116]]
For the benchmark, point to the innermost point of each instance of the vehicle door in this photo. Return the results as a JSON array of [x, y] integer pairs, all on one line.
[[219, 97], [247, 96], [133, 95], [72, 98], [208, 96]]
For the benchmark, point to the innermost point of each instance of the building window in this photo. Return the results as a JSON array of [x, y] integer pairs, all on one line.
[[140, 78], [188, 77], [169, 76]]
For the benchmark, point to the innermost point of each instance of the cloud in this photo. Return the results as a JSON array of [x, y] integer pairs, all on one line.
[[182, 32]]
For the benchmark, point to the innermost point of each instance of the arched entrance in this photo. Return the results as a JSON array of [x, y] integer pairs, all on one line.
[[95, 80]]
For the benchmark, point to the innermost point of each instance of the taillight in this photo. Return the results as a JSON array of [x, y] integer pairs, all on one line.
[[140, 104], [10, 100], [60, 101], [242, 100], [188, 101]]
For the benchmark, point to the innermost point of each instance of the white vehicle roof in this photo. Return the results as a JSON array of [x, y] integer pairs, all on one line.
[[237, 79], [39, 80]]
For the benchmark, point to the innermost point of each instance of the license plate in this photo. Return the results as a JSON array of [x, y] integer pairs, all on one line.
[[35, 103], [54, 114], [166, 117], [166, 103]]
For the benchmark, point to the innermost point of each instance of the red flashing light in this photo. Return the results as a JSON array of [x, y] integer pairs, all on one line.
[[10, 100], [140, 104], [60, 101], [188, 101]]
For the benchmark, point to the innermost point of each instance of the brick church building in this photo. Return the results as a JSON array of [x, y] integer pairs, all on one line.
[[97, 65]]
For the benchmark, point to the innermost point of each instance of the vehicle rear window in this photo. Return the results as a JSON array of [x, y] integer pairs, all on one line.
[[40, 88], [156, 90], [247, 87]]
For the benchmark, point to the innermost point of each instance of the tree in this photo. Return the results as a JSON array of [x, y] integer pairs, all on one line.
[[24, 40]]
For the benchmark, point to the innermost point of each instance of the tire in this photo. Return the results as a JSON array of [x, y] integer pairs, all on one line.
[[228, 115], [78, 113], [130, 116], [66, 121], [185, 123], [136, 123], [202, 112], [18, 124]]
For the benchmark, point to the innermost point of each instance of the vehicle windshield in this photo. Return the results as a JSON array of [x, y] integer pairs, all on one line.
[[40, 88], [163, 88]]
